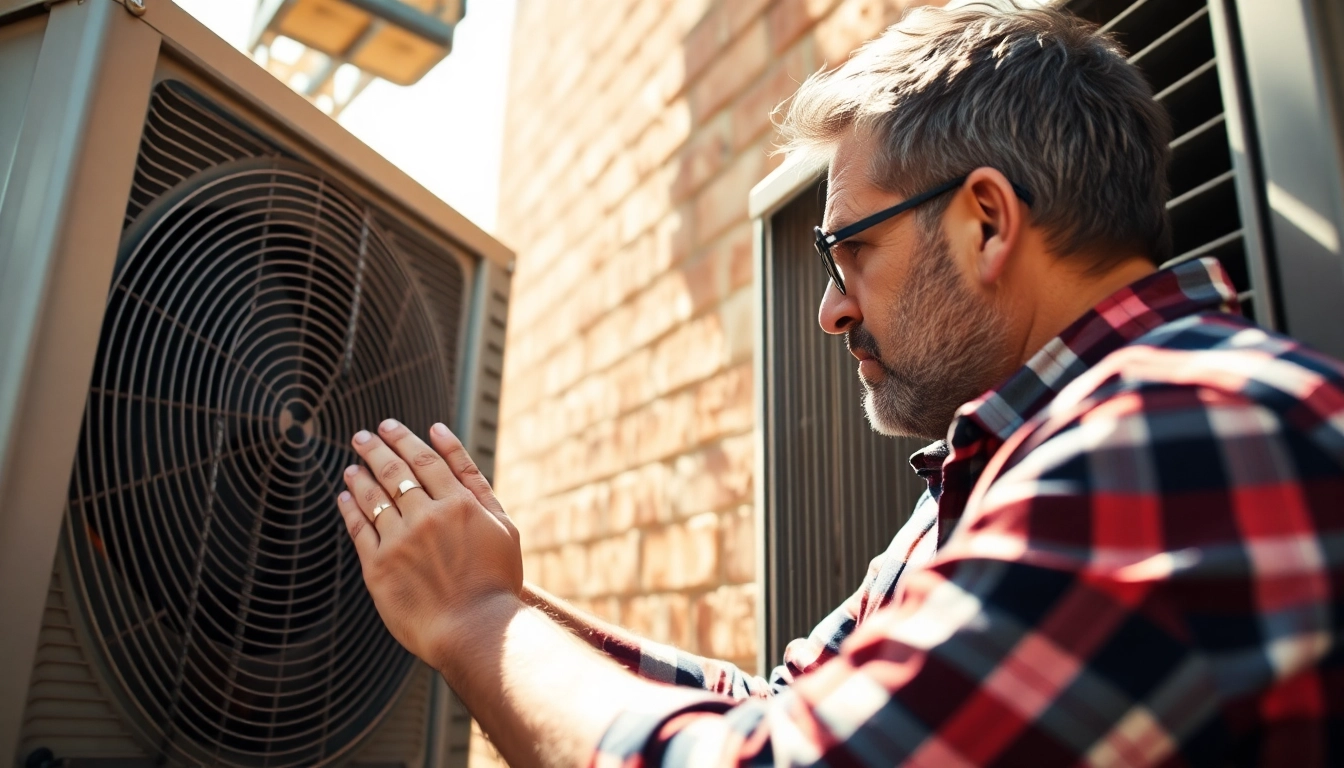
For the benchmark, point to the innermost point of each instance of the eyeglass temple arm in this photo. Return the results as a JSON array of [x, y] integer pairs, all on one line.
[[920, 199]]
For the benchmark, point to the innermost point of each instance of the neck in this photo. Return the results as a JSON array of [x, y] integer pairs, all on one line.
[[1065, 292]]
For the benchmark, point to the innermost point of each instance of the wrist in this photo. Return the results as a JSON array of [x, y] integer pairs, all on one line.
[[474, 632]]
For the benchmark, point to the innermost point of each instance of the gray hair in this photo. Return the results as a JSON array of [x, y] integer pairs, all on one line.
[[1037, 93]]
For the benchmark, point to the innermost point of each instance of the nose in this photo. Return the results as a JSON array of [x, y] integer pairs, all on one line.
[[838, 311]]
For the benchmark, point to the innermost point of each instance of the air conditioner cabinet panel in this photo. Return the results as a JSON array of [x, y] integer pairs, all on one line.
[[57, 240], [208, 286]]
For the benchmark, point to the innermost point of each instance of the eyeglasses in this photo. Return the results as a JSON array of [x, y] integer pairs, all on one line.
[[826, 241]]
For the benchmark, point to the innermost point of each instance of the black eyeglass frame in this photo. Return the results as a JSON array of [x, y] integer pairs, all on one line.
[[825, 241]]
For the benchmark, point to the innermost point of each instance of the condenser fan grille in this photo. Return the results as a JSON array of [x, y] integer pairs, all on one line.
[[259, 316], [183, 135]]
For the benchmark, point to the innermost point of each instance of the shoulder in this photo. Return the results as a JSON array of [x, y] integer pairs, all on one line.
[[1209, 409], [1212, 375]]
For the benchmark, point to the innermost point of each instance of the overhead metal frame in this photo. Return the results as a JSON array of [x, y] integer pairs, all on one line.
[[423, 25], [408, 17]]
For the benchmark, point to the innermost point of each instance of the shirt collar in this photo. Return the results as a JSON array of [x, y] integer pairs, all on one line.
[[1194, 286], [928, 464], [929, 459]]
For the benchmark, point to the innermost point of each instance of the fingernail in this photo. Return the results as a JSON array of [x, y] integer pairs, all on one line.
[[389, 425], [351, 470], [362, 436], [345, 497], [439, 429]]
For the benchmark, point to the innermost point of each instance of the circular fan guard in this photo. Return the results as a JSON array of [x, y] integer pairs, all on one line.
[[258, 318]]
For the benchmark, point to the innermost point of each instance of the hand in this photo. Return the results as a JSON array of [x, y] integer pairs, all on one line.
[[440, 551]]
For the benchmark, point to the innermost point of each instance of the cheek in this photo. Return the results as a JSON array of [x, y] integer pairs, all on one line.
[[884, 321], [879, 282], [883, 282]]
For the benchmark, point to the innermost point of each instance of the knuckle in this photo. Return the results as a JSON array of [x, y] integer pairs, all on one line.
[[371, 495], [425, 458], [468, 467], [357, 527], [459, 498], [392, 469]]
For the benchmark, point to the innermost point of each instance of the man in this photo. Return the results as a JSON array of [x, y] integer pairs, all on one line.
[[1132, 552]]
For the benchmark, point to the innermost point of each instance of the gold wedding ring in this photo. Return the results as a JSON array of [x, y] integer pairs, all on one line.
[[405, 486], [378, 510]]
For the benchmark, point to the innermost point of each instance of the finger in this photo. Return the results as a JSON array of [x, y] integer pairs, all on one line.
[[389, 469], [369, 495], [426, 465], [464, 469], [363, 534]]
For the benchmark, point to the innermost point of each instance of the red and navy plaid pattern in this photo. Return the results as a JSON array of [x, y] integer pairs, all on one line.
[[1142, 564]]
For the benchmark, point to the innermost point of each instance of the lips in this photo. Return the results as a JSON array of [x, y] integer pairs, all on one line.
[[859, 353], [859, 342]]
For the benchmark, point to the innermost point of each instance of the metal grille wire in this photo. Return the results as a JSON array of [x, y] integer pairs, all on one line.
[[183, 136], [258, 317]]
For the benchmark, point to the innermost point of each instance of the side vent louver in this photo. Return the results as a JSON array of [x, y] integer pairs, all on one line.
[[837, 491], [1171, 42]]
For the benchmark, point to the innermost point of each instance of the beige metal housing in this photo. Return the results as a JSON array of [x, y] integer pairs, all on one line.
[[75, 82]]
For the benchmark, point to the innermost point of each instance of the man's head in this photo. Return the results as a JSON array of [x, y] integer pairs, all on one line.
[[943, 303]]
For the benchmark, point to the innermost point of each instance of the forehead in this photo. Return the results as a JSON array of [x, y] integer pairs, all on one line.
[[850, 191]]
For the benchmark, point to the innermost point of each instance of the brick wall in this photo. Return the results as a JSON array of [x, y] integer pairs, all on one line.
[[634, 131]]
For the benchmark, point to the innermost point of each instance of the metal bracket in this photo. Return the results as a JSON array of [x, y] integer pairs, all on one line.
[[134, 7]]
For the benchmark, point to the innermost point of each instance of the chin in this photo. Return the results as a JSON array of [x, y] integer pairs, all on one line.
[[880, 424], [885, 418]]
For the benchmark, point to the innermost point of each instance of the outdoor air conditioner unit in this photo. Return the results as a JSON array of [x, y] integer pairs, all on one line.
[[206, 286]]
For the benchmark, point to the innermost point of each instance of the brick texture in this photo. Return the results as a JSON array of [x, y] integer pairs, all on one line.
[[635, 130]]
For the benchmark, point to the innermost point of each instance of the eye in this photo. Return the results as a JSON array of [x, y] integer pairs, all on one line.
[[848, 250]]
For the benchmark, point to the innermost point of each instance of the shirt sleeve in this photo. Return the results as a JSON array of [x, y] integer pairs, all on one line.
[[1128, 588], [667, 664]]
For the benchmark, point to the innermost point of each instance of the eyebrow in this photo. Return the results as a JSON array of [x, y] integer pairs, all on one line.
[[839, 228], [844, 213]]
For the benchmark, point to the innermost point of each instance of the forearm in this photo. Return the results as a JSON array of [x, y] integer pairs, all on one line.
[[651, 660], [584, 626], [544, 698]]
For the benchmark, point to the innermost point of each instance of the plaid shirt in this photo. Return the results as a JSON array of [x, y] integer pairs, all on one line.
[[1140, 560]]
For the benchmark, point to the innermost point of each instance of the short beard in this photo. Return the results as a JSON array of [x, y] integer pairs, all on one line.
[[951, 349]]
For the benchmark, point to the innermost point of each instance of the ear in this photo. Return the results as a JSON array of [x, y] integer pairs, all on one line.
[[1001, 218]]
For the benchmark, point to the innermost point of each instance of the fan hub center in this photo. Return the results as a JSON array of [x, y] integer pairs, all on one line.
[[297, 423]]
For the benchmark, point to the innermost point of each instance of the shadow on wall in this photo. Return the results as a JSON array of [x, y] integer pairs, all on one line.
[[626, 452]]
